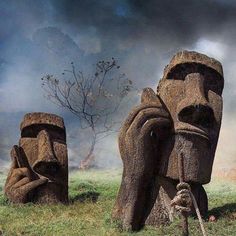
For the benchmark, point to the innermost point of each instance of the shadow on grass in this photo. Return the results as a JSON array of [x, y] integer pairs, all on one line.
[[83, 192], [223, 210], [84, 197]]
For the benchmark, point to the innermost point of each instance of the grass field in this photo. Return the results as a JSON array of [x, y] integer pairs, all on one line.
[[92, 195]]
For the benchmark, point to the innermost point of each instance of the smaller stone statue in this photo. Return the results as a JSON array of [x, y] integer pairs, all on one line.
[[39, 170]]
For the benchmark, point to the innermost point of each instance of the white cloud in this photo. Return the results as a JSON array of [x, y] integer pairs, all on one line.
[[211, 48]]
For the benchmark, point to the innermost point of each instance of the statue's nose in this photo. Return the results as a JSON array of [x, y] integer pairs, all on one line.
[[194, 108], [46, 163]]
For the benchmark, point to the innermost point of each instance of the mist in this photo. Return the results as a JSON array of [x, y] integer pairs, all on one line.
[[44, 37]]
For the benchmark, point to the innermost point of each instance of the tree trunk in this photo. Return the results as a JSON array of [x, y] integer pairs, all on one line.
[[88, 161]]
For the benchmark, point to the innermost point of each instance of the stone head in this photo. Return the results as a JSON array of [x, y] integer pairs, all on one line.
[[43, 141], [191, 90]]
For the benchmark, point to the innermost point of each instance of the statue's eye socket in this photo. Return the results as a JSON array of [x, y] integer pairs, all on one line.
[[213, 82], [53, 131], [214, 85], [178, 75], [181, 71]]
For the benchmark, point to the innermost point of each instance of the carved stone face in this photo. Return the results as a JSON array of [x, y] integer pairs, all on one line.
[[43, 140], [191, 91]]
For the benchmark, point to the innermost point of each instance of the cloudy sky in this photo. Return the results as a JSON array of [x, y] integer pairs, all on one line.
[[42, 37]]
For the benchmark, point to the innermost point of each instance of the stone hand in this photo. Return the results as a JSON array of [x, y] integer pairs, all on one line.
[[21, 180], [182, 201], [138, 144]]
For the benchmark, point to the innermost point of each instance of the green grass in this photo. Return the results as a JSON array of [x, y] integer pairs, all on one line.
[[92, 195]]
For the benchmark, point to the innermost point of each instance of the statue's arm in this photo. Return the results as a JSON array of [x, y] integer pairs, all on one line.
[[138, 144], [21, 181]]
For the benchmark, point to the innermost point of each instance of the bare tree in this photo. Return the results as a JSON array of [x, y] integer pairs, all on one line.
[[95, 99]]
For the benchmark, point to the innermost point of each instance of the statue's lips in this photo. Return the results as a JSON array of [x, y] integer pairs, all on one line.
[[190, 129], [51, 183], [49, 179]]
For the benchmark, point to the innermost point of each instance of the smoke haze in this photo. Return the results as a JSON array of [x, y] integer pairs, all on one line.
[[44, 37]]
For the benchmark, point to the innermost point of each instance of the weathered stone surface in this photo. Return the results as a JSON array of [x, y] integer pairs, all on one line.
[[183, 118], [39, 171], [184, 58], [41, 118]]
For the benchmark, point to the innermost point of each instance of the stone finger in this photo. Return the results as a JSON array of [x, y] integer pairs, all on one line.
[[128, 122], [176, 201], [144, 115], [23, 172], [181, 208], [33, 184], [134, 112], [183, 191], [21, 182], [14, 154], [149, 96], [183, 185], [16, 175], [153, 124], [185, 196], [14, 165]]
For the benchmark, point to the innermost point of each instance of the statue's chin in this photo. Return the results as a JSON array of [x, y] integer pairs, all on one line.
[[50, 193], [198, 156]]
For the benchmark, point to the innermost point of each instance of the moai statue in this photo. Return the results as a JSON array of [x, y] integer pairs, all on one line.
[[39, 171], [182, 119]]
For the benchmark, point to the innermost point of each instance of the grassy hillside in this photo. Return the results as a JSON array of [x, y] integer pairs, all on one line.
[[92, 195]]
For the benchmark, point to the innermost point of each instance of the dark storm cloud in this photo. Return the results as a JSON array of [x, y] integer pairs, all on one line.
[[43, 37], [171, 21], [145, 34], [168, 21], [185, 20], [125, 24]]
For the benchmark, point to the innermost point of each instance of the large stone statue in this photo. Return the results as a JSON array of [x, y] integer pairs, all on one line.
[[182, 120], [39, 171]]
